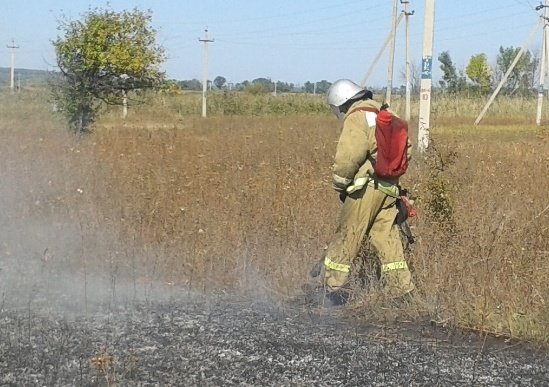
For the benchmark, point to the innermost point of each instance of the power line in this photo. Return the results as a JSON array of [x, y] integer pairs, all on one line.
[[284, 15], [524, 3]]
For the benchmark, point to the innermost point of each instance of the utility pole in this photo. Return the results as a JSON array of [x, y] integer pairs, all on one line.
[[426, 76], [391, 55], [543, 61], [205, 40], [124, 104], [13, 47], [407, 14]]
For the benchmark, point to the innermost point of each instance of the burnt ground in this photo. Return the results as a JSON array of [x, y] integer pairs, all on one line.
[[189, 339]]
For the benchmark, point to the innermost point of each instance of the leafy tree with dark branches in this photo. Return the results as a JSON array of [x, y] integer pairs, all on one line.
[[451, 80], [521, 78], [102, 59]]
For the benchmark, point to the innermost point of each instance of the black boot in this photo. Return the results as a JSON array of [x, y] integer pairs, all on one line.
[[317, 268], [336, 298]]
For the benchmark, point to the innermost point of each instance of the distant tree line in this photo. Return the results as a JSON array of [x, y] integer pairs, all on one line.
[[258, 86], [478, 78], [481, 78]]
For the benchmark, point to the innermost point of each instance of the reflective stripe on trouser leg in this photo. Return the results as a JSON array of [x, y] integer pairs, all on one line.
[[336, 275], [355, 219], [336, 266], [385, 237], [399, 265]]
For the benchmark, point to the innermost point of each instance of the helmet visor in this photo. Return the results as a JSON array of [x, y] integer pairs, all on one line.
[[337, 111]]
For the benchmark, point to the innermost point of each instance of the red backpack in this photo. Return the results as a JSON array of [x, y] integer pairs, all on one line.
[[392, 145]]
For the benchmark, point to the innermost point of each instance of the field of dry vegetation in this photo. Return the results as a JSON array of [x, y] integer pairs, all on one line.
[[241, 202]]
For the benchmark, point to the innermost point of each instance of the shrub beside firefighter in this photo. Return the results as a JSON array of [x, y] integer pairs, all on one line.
[[372, 153]]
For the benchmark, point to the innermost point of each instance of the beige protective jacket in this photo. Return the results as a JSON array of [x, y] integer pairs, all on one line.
[[356, 148]]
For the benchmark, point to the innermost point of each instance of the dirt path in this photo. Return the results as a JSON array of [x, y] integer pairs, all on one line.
[[216, 341]]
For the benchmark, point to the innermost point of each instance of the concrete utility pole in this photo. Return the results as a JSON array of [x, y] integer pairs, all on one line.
[[426, 76], [391, 55], [124, 104], [13, 47], [407, 13], [543, 61], [205, 40]]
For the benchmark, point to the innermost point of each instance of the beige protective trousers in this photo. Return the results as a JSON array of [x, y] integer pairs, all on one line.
[[368, 212]]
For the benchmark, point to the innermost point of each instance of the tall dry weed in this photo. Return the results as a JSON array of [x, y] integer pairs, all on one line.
[[486, 271], [243, 203]]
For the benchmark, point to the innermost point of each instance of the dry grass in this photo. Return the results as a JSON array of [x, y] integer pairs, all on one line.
[[244, 203]]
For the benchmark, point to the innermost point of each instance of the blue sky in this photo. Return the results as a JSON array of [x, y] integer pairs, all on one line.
[[287, 40]]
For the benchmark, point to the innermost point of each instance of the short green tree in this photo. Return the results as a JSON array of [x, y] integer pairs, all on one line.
[[257, 88], [191, 84], [284, 87], [265, 83], [101, 59], [219, 81], [320, 88], [478, 70]]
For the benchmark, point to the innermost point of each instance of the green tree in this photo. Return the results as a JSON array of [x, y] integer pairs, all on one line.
[[242, 85], [191, 84], [448, 69], [257, 88], [308, 87], [521, 78], [321, 87], [265, 83], [101, 59], [451, 81], [284, 87], [219, 81], [478, 70]]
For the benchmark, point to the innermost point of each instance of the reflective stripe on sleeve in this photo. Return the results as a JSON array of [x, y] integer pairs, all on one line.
[[341, 181], [336, 266], [399, 265], [357, 184], [370, 118], [387, 188]]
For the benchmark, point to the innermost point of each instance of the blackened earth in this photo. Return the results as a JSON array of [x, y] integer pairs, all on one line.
[[194, 340]]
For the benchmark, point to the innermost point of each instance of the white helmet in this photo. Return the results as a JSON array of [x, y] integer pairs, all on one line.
[[342, 91]]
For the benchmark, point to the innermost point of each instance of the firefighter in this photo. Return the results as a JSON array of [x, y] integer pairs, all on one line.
[[369, 203]]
